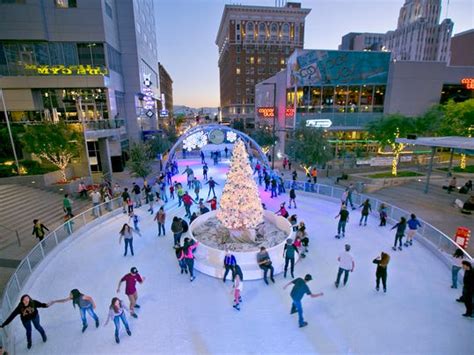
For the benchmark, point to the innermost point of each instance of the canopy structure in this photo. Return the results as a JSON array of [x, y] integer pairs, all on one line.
[[463, 145]]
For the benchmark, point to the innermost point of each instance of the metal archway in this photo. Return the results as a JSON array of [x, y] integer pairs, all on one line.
[[249, 142]]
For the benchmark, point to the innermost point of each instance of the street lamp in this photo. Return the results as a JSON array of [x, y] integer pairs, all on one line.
[[10, 132], [274, 122]]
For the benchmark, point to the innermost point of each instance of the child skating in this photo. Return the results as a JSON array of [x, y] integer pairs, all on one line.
[[237, 290], [117, 313]]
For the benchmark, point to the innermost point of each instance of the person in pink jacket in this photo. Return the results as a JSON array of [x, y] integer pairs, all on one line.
[[187, 255]]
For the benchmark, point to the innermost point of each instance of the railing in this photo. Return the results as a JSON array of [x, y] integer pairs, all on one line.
[[441, 243], [91, 125], [27, 266]]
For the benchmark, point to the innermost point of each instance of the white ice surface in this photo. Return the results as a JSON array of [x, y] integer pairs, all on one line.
[[417, 315]]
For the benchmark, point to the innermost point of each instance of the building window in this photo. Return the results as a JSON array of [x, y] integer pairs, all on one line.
[[12, 1], [108, 10], [237, 71], [237, 60], [250, 28], [262, 31], [273, 31], [285, 32], [65, 4], [237, 37], [114, 59], [282, 61], [238, 49], [237, 27], [252, 60]]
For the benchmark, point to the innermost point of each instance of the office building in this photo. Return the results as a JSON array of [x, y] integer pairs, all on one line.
[[419, 35], [82, 60], [462, 49], [356, 41], [254, 43], [166, 88]]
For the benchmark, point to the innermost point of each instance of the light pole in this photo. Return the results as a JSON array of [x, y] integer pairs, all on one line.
[[80, 114], [10, 132], [274, 123]]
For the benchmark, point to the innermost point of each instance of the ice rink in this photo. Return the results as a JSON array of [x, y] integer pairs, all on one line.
[[417, 315]]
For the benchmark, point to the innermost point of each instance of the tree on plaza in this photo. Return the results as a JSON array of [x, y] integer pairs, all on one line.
[[161, 143], [6, 151], [140, 160], [238, 124], [58, 143], [240, 206], [263, 135], [308, 146], [388, 129]]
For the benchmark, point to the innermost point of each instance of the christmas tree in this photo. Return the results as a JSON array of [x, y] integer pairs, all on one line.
[[240, 205]]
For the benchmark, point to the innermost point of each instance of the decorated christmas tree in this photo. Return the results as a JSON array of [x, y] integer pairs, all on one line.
[[240, 206]]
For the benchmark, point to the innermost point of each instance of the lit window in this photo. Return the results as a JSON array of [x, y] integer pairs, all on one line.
[[237, 71], [65, 4], [252, 60]]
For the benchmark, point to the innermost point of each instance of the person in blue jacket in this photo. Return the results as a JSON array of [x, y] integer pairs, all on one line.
[[229, 264], [413, 225]]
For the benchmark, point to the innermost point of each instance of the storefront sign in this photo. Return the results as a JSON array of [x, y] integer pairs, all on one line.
[[164, 113], [67, 69], [468, 83], [319, 123], [148, 100], [289, 112], [266, 112]]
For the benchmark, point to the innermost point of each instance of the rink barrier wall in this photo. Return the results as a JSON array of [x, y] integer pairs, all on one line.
[[429, 236], [209, 260], [62, 235]]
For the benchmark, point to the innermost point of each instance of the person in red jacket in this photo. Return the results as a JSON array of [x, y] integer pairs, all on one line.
[[188, 202], [213, 202]]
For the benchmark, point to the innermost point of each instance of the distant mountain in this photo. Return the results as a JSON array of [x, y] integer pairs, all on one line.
[[191, 111]]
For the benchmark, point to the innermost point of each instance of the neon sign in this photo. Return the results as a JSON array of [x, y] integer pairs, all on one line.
[[468, 83], [319, 123], [148, 101], [266, 112], [290, 112], [67, 69]]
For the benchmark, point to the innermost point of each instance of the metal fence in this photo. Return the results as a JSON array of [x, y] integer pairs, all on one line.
[[442, 243], [27, 266]]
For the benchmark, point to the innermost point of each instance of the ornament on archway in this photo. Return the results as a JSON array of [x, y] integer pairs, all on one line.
[[231, 136], [196, 140]]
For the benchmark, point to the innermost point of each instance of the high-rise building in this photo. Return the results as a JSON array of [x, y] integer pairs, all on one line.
[[254, 43], [356, 41], [419, 35], [462, 49], [166, 87], [82, 60]]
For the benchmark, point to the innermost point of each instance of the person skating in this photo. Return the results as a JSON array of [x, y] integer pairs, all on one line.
[[282, 211], [457, 259], [237, 290], [350, 192], [197, 187], [96, 198], [289, 255], [300, 289], [188, 256], [400, 233], [67, 205], [177, 229], [125, 198], [413, 224], [366, 209], [383, 215], [160, 218], [273, 183], [314, 175], [302, 235], [213, 203], [137, 195], [39, 229], [27, 309], [135, 220], [381, 272], [265, 263], [229, 264], [212, 184], [131, 280], [343, 219], [226, 151], [467, 288], [85, 303], [292, 197], [180, 193], [346, 265], [117, 314], [205, 169], [178, 249], [203, 158], [188, 202], [126, 233]]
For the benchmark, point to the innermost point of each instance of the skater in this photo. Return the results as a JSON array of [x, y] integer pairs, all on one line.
[[285, 163], [160, 218], [413, 224], [193, 217], [265, 263], [96, 199], [163, 195], [229, 264], [350, 192], [346, 265], [178, 249], [27, 309], [125, 197], [314, 175], [213, 202], [226, 151], [282, 211], [172, 191], [135, 219], [381, 272], [203, 158], [117, 314], [237, 290], [458, 257], [266, 180], [401, 226], [188, 257], [289, 256], [383, 215], [197, 187], [343, 219], [137, 195], [273, 184], [205, 169], [126, 233], [202, 209], [177, 229], [292, 197], [180, 193], [299, 289], [294, 222], [468, 288], [39, 229], [129, 206], [67, 205], [188, 202], [212, 184], [366, 209], [131, 280], [85, 303]]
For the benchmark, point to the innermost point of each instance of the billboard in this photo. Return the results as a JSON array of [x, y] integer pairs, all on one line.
[[326, 67]]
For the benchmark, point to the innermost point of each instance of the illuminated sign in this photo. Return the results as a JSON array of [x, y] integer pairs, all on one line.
[[164, 113], [319, 123], [266, 112], [290, 112], [148, 100], [468, 83], [67, 69]]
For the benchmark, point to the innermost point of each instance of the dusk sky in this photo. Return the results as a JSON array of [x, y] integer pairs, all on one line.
[[187, 31]]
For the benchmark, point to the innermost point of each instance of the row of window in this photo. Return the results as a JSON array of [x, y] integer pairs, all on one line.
[[261, 31], [262, 60], [260, 70]]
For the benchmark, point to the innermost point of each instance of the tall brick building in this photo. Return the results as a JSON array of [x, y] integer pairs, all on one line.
[[254, 43]]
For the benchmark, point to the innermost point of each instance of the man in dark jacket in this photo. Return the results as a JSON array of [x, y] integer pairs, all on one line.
[[468, 288]]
